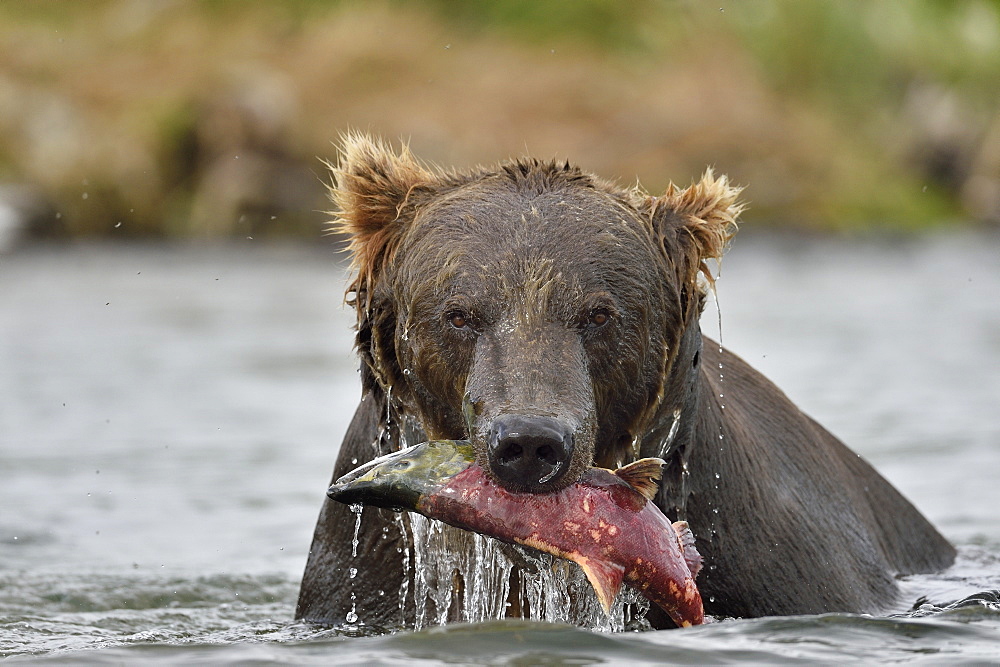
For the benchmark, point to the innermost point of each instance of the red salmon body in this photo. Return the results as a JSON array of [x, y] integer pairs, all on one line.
[[602, 523]]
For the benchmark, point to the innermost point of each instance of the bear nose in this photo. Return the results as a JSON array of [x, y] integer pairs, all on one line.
[[529, 453]]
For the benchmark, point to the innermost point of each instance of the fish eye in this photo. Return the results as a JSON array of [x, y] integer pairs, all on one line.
[[402, 465]]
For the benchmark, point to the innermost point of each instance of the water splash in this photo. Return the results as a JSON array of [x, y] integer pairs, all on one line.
[[557, 591], [465, 577], [404, 551], [486, 592]]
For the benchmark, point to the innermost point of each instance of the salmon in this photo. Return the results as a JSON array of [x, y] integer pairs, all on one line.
[[607, 522]]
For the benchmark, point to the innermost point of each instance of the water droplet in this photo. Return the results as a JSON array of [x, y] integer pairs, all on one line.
[[352, 573], [85, 195], [717, 476]]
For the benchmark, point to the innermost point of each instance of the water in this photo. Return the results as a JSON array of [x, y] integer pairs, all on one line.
[[169, 417]]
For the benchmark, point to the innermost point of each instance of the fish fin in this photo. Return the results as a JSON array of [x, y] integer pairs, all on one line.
[[643, 476], [686, 539], [606, 578]]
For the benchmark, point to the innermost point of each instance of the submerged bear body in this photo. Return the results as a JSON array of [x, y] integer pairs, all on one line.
[[564, 311]]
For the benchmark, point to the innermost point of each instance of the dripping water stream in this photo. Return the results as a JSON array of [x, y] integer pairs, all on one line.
[[713, 526], [352, 572], [465, 577]]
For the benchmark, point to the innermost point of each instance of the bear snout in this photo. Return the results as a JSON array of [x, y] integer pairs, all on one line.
[[528, 452]]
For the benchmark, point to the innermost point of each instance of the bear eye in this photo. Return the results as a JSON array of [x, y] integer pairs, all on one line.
[[598, 318], [458, 319]]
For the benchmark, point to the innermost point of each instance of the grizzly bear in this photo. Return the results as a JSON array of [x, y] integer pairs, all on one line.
[[565, 311]]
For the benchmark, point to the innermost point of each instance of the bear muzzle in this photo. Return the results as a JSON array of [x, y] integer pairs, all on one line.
[[529, 452]]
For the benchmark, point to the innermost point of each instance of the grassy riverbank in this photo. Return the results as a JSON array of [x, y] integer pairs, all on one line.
[[207, 119]]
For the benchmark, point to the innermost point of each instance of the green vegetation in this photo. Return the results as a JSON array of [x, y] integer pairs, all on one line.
[[201, 119]]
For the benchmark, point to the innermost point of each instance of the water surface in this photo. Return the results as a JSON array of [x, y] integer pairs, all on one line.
[[169, 417]]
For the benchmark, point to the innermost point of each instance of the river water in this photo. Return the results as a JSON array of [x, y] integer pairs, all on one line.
[[169, 416]]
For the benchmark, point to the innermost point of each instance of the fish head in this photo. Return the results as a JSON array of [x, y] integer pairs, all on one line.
[[398, 480]]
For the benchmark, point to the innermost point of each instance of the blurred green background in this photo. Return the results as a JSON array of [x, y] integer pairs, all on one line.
[[171, 119]]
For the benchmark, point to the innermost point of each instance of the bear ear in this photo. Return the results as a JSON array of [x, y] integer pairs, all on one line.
[[696, 222], [371, 190]]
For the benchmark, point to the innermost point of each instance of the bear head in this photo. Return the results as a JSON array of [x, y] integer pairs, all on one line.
[[534, 309]]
